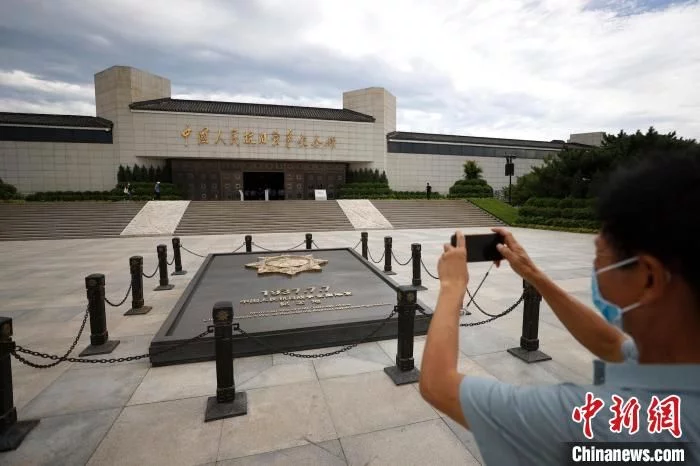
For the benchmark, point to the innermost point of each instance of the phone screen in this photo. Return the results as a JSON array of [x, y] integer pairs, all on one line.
[[481, 248]]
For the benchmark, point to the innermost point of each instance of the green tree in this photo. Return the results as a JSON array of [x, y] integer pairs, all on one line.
[[158, 175], [128, 175], [121, 174], [582, 172], [136, 173], [472, 170], [151, 174]]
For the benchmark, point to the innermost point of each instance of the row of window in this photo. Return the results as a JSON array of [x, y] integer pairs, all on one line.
[[463, 150], [39, 134]]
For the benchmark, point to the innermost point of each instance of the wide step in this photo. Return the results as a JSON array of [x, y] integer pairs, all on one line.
[[408, 214]]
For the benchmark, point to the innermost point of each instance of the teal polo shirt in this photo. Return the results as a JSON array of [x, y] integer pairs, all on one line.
[[531, 425]]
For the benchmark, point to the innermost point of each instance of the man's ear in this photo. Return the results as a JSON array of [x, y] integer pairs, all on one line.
[[655, 276]]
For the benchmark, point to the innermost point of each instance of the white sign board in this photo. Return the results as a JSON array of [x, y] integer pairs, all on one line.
[[320, 194]]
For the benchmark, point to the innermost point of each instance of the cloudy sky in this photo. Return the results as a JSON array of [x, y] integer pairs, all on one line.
[[537, 69]]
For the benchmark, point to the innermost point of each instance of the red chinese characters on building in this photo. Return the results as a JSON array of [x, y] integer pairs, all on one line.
[[587, 412], [665, 415], [625, 415]]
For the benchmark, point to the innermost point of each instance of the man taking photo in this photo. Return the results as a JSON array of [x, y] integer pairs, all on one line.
[[646, 287]]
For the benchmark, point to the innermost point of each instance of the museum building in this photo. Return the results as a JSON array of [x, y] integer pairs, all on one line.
[[218, 150]]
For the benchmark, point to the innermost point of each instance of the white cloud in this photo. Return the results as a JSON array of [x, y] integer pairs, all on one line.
[[17, 79], [536, 69], [73, 107]]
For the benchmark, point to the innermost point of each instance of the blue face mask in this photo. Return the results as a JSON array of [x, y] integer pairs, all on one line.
[[611, 312]]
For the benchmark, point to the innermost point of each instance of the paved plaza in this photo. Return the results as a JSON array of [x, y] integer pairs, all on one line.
[[331, 411]]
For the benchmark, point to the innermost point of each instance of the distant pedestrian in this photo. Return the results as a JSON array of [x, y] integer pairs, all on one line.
[[157, 190], [129, 190], [428, 190]]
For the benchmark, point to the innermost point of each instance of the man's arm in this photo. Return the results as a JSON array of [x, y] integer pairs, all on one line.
[[439, 379], [585, 324]]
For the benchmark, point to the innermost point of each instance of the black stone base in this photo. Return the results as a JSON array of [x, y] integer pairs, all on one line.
[[419, 288], [12, 437], [138, 311], [105, 348], [164, 288], [181, 272], [402, 377], [529, 356], [464, 312], [389, 273], [216, 410]]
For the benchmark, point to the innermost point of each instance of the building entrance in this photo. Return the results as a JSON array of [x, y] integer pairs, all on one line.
[[255, 184]]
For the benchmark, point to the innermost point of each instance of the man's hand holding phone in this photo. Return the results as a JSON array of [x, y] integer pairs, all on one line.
[[452, 268], [516, 256]]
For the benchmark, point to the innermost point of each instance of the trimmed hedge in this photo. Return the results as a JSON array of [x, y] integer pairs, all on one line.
[[8, 192], [566, 213], [141, 192], [477, 188]]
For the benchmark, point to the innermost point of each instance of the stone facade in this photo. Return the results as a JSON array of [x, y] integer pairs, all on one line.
[[410, 172]]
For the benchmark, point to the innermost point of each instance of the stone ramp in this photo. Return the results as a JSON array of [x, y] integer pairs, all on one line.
[[65, 220], [408, 214], [230, 217]]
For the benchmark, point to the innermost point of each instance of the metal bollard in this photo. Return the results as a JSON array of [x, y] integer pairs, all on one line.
[[415, 260], [178, 258], [227, 403], [528, 350], [162, 251], [405, 371], [387, 256], [363, 240], [137, 302], [248, 243], [12, 432], [309, 240], [99, 337]]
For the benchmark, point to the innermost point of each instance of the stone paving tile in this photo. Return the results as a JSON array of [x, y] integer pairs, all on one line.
[[328, 453], [172, 433], [281, 374], [466, 437], [278, 418], [430, 442], [509, 369], [368, 402], [33, 382], [85, 390], [176, 382], [62, 440]]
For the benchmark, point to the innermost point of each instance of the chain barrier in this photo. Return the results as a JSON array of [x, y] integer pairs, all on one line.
[[238, 328], [314, 243], [193, 253], [358, 243], [272, 250], [369, 252], [93, 361], [495, 316], [427, 271], [58, 359], [399, 262], [153, 274], [171, 262], [122, 301], [239, 247]]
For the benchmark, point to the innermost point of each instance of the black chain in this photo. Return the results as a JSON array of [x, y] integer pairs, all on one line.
[[239, 247], [399, 262], [314, 243], [427, 271], [94, 361], [270, 250], [58, 359], [122, 301], [321, 355], [193, 253], [372, 258], [495, 316], [358, 243], [171, 262], [151, 275]]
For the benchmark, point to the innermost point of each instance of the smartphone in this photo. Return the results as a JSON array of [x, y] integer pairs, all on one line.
[[481, 248]]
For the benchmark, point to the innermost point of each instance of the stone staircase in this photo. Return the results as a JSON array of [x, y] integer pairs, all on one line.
[[65, 220], [410, 214], [228, 217]]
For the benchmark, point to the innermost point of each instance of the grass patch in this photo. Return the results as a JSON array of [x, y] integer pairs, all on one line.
[[499, 209]]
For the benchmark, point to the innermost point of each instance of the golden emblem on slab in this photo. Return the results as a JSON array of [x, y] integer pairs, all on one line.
[[287, 264]]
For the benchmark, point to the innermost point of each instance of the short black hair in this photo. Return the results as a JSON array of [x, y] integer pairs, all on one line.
[[652, 206]]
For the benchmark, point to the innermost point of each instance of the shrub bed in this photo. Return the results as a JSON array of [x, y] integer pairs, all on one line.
[[566, 213], [478, 188]]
